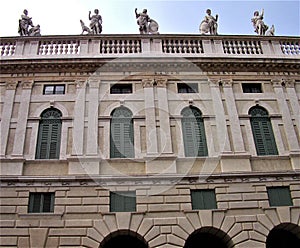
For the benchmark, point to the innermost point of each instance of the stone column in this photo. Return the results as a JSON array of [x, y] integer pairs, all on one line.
[[222, 134], [20, 134], [164, 117], [78, 123], [92, 131], [152, 145], [286, 116], [235, 127], [6, 118]]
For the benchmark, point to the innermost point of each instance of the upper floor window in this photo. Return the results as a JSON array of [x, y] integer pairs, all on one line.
[[193, 132], [41, 203], [203, 199], [58, 89], [48, 143], [252, 87], [279, 196], [121, 134], [262, 131], [122, 201], [187, 87], [121, 89]]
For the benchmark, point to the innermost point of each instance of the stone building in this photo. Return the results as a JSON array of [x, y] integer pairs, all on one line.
[[150, 141]]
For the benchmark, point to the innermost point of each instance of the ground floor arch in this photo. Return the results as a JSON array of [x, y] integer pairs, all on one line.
[[124, 238], [284, 236], [208, 237]]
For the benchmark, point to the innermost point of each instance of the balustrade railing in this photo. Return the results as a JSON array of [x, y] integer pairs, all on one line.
[[180, 45]]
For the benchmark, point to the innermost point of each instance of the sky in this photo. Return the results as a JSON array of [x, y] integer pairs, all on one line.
[[62, 17]]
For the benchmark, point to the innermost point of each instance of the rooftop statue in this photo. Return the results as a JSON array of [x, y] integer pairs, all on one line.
[[259, 26], [96, 22], [143, 19], [209, 24], [24, 24], [84, 28]]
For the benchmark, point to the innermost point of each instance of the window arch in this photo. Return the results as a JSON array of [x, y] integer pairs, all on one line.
[[49, 134], [193, 132], [121, 134], [262, 131]]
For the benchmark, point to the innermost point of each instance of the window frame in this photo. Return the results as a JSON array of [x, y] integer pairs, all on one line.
[[122, 201], [33, 198], [54, 91]]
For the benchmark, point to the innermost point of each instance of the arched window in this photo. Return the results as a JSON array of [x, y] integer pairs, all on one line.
[[121, 134], [262, 131], [124, 238], [48, 144], [193, 133], [208, 237], [285, 235]]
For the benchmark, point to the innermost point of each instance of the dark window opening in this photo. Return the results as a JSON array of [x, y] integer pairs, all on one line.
[[280, 238], [279, 196], [203, 199], [205, 240], [122, 201], [121, 89], [41, 203], [252, 88], [187, 88]]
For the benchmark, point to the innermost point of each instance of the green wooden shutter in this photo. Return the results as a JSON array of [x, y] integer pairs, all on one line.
[[193, 130], [49, 135], [121, 134], [203, 199], [263, 133], [279, 196]]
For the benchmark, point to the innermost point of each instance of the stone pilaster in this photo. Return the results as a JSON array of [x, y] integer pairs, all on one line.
[[222, 134], [152, 145], [235, 127], [78, 123], [5, 119], [92, 131], [22, 119], [286, 116], [164, 116], [292, 95]]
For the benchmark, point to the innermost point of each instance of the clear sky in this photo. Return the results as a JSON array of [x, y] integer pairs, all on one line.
[[61, 17]]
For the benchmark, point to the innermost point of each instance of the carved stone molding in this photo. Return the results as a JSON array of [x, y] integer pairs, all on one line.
[[80, 84], [277, 82], [27, 84], [289, 83], [147, 83], [11, 85], [227, 82], [93, 83], [214, 82]]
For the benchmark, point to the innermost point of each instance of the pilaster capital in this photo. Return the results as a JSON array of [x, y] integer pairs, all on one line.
[[227, 82], [94, 83], [289, 83], [277, 83], [214, 81], [80, 84], [161, 82], [11, 85], [27, 84], [148, 83]]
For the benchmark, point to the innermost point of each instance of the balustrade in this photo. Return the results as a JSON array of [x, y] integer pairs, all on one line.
[[181, 45]]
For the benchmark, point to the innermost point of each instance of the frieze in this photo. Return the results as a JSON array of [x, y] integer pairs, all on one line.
[[132, 181]]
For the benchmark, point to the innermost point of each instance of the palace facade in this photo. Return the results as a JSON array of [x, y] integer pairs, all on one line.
[[150, 141]]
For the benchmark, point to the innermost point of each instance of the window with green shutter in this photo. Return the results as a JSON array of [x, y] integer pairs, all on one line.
[[122, 201], [279, 196], [203, 199], [41, 203], [193, 132], [262, 132], [121, 134], [48, 143]]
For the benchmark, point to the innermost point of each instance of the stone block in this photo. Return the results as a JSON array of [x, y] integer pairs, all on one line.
[[229, 197], [87, 242], [60, 193], [14, 232], [179, 198], [206, 217], [7, 223], [93, 234], [23, 194], [103, 209], [136, 220], [218, 217], [22, 209], [257, 236], [255, 196], [172, 239], [52, 242], [145, 226], [52, 223], [79, 223], [247, 226], [163, 207], [165, 229], [81, 209], [95, 200], [295, 216], [185, 224], [284, 214], [8, 193], [67, 232], [235, 230], [193, 217], [258, 227], [273, 216], [164, 221], [142, 208], [8, 241], [27, 223], [70, 241], [152, 233], [235, 165], [243, 204], [79, 192], [68, 201], [185, 206], [123, 220], [265, 221], [101, 227], [23, 242], [38, 237], [110, 220], [240, 188], [159, 241], [178, 231], [250, 243], [246, 218], [228, 223], [149, 199], [13, 201]]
